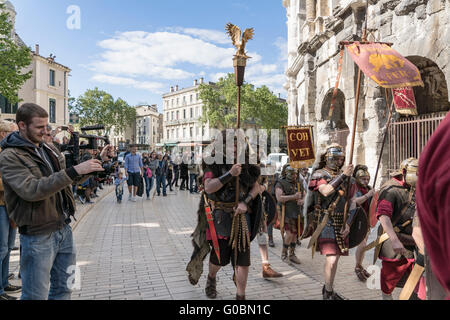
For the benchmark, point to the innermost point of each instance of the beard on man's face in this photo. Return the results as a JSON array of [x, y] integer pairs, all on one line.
[[34, 135]]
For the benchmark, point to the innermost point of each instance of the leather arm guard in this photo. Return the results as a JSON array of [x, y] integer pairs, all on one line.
[[227, 177], [420, 259], [336, 182]]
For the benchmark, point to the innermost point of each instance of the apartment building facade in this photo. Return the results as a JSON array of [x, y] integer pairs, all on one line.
[[182, 111]]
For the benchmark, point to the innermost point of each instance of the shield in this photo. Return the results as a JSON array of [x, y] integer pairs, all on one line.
[[270, 207], [359, 228], [373, 210], [255, 217]]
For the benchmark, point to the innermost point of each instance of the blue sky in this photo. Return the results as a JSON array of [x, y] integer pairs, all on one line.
[[137, 49]]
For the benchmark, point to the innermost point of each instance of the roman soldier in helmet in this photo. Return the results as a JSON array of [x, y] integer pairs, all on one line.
[[395, 211], [291, 201], [329, 185], [219, 196], [363, 194]]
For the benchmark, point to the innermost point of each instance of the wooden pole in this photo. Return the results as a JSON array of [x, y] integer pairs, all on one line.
[[238, 125], [385, 135], [355, 119], [238, 120]]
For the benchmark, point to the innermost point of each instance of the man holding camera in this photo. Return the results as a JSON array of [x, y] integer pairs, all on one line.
[[40, 201]]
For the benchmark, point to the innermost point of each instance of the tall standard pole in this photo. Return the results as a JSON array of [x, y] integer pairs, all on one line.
[[355, 119], [384, 136]]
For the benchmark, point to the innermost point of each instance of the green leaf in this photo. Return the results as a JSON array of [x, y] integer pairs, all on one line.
[[14, 59]]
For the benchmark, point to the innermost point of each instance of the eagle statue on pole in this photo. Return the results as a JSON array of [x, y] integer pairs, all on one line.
[[239, 42]]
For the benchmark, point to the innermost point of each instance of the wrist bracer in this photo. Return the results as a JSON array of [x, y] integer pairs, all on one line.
[[336, 182], [227, 177]]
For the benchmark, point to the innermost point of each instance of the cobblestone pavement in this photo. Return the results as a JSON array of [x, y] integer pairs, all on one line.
[[139, 250]]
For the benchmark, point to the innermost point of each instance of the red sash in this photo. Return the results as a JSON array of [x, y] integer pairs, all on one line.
[[212, 229]]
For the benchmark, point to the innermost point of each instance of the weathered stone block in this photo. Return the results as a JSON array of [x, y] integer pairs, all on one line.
[[384, 19], [434, 6], [421, 12], [388, 5], [407, 6], [386, 30]]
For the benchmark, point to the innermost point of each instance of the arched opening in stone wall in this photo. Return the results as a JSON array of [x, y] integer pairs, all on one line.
[[433, 97], [336, 125]]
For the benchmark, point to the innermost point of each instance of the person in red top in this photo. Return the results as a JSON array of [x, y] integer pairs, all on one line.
[[433, 202], [395, 211], [363, 194], [328, 186]]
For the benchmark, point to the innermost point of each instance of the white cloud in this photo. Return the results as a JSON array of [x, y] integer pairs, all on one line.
[[282, 45], [208, 35], [216, 76], [148, 60], [128, 82], [274, 82], [158, 55], [258, 69]]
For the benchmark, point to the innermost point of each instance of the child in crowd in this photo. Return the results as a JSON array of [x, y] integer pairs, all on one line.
[[120, 181]]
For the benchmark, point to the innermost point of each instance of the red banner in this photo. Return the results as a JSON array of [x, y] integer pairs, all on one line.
[[404, 101], [300, 147], [384, 65]]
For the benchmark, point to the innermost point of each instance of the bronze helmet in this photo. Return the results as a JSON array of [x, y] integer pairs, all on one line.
[[408, 168], [360, 172], [288, 173], [334, 151]]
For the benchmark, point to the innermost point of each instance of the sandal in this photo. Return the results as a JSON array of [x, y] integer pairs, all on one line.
[[366, 274], [210, 289], [361, 274]]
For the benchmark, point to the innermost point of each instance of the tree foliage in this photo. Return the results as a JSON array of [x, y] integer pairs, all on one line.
[[99, 107], [258, 106], [13, 59]]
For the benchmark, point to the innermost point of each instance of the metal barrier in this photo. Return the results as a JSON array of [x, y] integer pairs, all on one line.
[[408, 136]]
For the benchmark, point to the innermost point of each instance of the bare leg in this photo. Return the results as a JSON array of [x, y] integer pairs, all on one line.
[[134, 191], [241, 279], [213, 269], [331, 263], [359, 254], [290, 237], [264, 253]]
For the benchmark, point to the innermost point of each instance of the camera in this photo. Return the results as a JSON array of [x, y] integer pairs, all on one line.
[[72, 150]]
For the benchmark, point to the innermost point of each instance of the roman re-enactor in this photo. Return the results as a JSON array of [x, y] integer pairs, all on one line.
[[291, 201], [433, 205], [329, 186], [269, 215], [395, 211], [219, 199], [363, 194]]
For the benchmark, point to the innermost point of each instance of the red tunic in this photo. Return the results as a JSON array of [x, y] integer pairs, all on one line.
[[433, 201], [392, 270]]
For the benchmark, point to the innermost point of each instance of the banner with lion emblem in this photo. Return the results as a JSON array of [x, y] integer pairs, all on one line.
[[384, 65]]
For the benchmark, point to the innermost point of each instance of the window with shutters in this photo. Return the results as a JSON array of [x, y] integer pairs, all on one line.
[[52, 110], [6, 107], [52, 77]]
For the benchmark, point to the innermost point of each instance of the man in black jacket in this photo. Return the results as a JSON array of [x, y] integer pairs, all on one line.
[[40, 202]]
